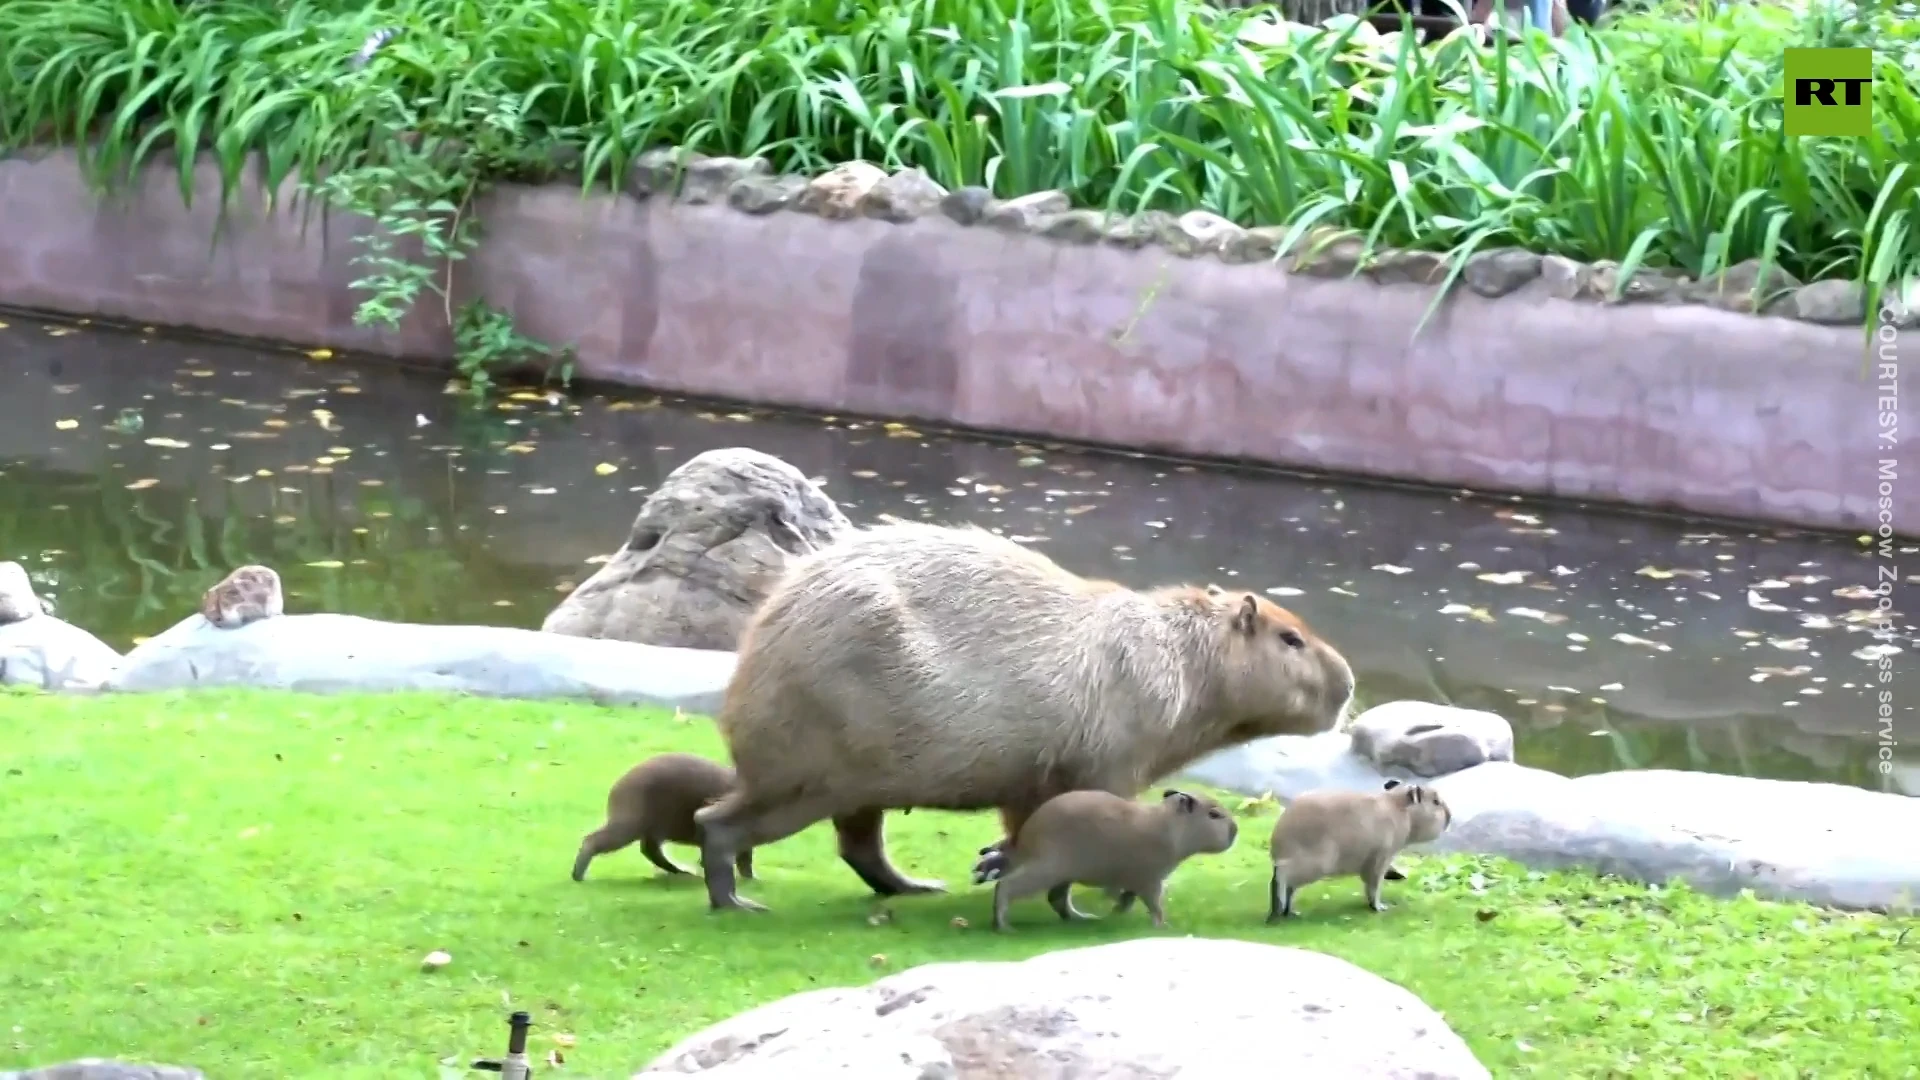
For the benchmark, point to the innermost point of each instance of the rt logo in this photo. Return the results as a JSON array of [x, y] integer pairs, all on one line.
[[1830, 92]]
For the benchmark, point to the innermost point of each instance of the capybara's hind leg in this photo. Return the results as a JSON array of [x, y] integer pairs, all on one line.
[[863, 847], [993, 857], [599, 842], [650, 847], [1061, 898], [733, 825]]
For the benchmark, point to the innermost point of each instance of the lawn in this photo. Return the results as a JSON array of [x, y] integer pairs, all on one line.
[[247, 882]]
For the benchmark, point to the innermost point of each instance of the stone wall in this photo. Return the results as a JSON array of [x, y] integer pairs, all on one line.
[[858, 292]]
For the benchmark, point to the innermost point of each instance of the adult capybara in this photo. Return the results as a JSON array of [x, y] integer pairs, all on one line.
[[911, 665], [654, 803], [1099, 838]]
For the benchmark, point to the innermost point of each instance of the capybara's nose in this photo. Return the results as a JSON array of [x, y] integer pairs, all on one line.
[[1233, 832]]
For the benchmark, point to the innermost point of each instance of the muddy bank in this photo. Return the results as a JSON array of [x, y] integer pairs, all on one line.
[[1165, 337]]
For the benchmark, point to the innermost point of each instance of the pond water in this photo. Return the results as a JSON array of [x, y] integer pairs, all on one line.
[[136, 470]]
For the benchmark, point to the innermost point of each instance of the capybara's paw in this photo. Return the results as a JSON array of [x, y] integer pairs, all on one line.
[[993, 863], [737, 903]]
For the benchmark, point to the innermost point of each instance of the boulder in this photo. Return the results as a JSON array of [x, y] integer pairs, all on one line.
[[1139, 1010], [1826, 844], [105, 1069], [1427, 739], [1286, 766], [54, 655], [326, 653], [702, 554], [17, 598]]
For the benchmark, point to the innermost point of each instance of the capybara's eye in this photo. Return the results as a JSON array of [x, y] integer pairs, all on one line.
[[1215, 814], [1292, 638]]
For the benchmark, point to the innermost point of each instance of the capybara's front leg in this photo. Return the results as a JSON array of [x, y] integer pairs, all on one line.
[[744, 863], [650, 847], [863, 847], [1394, 874]]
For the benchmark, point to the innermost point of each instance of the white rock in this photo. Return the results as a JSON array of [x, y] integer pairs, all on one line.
[[54, 655], [1429, 739], [326, 653], [1135, 1010], [1286, 766]]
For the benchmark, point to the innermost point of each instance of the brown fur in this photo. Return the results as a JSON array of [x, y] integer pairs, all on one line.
[[654, 803], [914, 665], [1098, 838], [247, 595], [17, 599], [1329, 833]]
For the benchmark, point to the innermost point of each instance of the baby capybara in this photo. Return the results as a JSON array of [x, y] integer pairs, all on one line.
[[654, 803]]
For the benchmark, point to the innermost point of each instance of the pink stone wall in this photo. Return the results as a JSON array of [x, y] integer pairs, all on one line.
[[1663, 406]]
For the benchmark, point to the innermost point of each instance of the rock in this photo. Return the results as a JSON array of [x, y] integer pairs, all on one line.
[[1647, 285], [54, 654], [836, 193], [1287, 766], [1500, 271], [905, 196], [1025, 213], [1134, 1010], [765, 194], [1203, 233], [328, 653], [1827, 844], [1733, 289], [248, 594], [18, 601], [1901, 303], [702, 553], [1428, 740], [967, 205], [1136, 232], [711, 180], [106, 1069], [658, 171], [1326, 252], [1409, 268], [1259, 244], [1076, 227], [1565, 278], [1830, 303]]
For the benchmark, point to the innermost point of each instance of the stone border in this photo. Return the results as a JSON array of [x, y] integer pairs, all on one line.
[[887, 295]]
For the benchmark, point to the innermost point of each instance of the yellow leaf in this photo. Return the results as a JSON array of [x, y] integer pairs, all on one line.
[[141, 639], [327, 564], [605, 469], [66, 425], [527, 395], [320, 354], [141, 485], [168, 444], [59, 331]]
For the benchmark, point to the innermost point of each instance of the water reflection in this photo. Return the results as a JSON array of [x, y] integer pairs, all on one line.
[[134, 472]]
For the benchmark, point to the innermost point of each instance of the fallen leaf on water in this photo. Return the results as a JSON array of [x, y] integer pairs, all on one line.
[[894, 432], [420, 421], [327, 564], [141, 485], [1392, 569], [1798, 644], [605, 469], [1285, 590], [1875, 652], [1076, 511], [1030, 462], [320, 354], [1629, 639], [596, 559], [59, 331], [1548, 617], [863, 474], [1341, 591], [1481, 614], [1654, 572], [519, 448], [66, 425], [1511, 577], [1855, 592], [1761, 603], [540, 491]]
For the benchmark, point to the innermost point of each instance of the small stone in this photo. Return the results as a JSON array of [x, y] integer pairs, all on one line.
[[1901, 302], [765, 194], [1205, 233], [711, 180], [836, 193], [1140, 230], [1500, 271], [1260, 244], [905, 196], [1026, 213], [1733, 289], [1648, 285], [1328, 252], [1565, 278], [656, 172], [967, 205], [436, 960], [1409, 268], [1076, 227]]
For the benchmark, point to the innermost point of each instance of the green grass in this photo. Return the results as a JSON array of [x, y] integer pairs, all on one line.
[[248, 881], [1656, 138]]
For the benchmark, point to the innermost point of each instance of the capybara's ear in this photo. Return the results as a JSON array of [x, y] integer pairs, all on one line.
[[1391, 784], [1247, 619]]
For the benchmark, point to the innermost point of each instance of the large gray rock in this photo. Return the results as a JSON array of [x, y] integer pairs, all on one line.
[[1145, 1009], [17, 598], [346, 653], [1428, 739], [702, 554], [1286, 766], [1825, 844], [105, 1069], [54, 655]]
